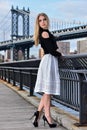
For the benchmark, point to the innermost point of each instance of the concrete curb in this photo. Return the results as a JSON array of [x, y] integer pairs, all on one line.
[[62, 117]]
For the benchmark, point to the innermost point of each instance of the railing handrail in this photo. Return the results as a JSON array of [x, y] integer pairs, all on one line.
[[19, 68]]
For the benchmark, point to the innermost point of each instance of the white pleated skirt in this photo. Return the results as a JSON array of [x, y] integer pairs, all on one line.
[[48, 79]]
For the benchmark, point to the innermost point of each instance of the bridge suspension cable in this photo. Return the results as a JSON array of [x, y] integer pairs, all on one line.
[[5, 19], [5, 26]]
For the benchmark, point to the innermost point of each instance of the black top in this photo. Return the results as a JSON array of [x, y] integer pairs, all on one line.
[[49, 44]]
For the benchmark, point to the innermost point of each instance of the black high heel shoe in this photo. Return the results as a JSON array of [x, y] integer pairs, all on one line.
[[50, 125], [36, 115]]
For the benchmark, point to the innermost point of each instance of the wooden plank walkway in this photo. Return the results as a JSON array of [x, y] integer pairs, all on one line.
[[15, 112]]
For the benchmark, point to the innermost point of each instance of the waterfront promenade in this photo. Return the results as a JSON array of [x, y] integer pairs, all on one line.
[[16, 111], [16, 107]]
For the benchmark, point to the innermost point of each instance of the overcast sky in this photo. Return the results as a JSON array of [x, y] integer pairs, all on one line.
[[66, 10]]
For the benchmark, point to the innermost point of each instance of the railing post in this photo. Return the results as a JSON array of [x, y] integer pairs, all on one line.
[[31, 87], [2, 74], [13, 77], [8, 75], [83, 100], [5, 74], [21, 80]]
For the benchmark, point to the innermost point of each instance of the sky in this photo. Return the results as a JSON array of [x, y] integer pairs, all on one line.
[[65, 10], [61, 9]]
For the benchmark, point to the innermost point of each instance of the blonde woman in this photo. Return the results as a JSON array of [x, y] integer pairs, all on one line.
[[48, 80]]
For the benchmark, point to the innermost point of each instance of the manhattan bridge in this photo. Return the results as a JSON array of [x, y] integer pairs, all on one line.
[[18, 26]]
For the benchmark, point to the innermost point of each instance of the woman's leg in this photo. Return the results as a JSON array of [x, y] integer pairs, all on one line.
[[41, 105], [38, 113], [47, 104]]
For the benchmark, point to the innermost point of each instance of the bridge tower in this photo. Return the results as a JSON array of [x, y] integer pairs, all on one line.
[[19, 17], [16, 13]]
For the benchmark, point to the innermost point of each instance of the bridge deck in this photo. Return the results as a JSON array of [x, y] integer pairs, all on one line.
[[15, 111]]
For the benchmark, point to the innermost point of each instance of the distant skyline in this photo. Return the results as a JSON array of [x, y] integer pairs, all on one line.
[[65, 10]]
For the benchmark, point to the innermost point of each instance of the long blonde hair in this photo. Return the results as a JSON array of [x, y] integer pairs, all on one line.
[[37, 27]]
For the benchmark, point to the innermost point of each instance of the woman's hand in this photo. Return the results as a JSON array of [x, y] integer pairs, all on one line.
[[62, 58]]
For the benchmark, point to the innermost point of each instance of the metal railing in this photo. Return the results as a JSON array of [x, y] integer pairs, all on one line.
[[21, 77], [71, 83]]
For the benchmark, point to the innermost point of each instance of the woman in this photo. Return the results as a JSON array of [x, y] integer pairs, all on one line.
[[48, 81]]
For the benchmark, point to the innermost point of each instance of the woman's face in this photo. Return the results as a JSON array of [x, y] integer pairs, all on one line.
[[43, 22]]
